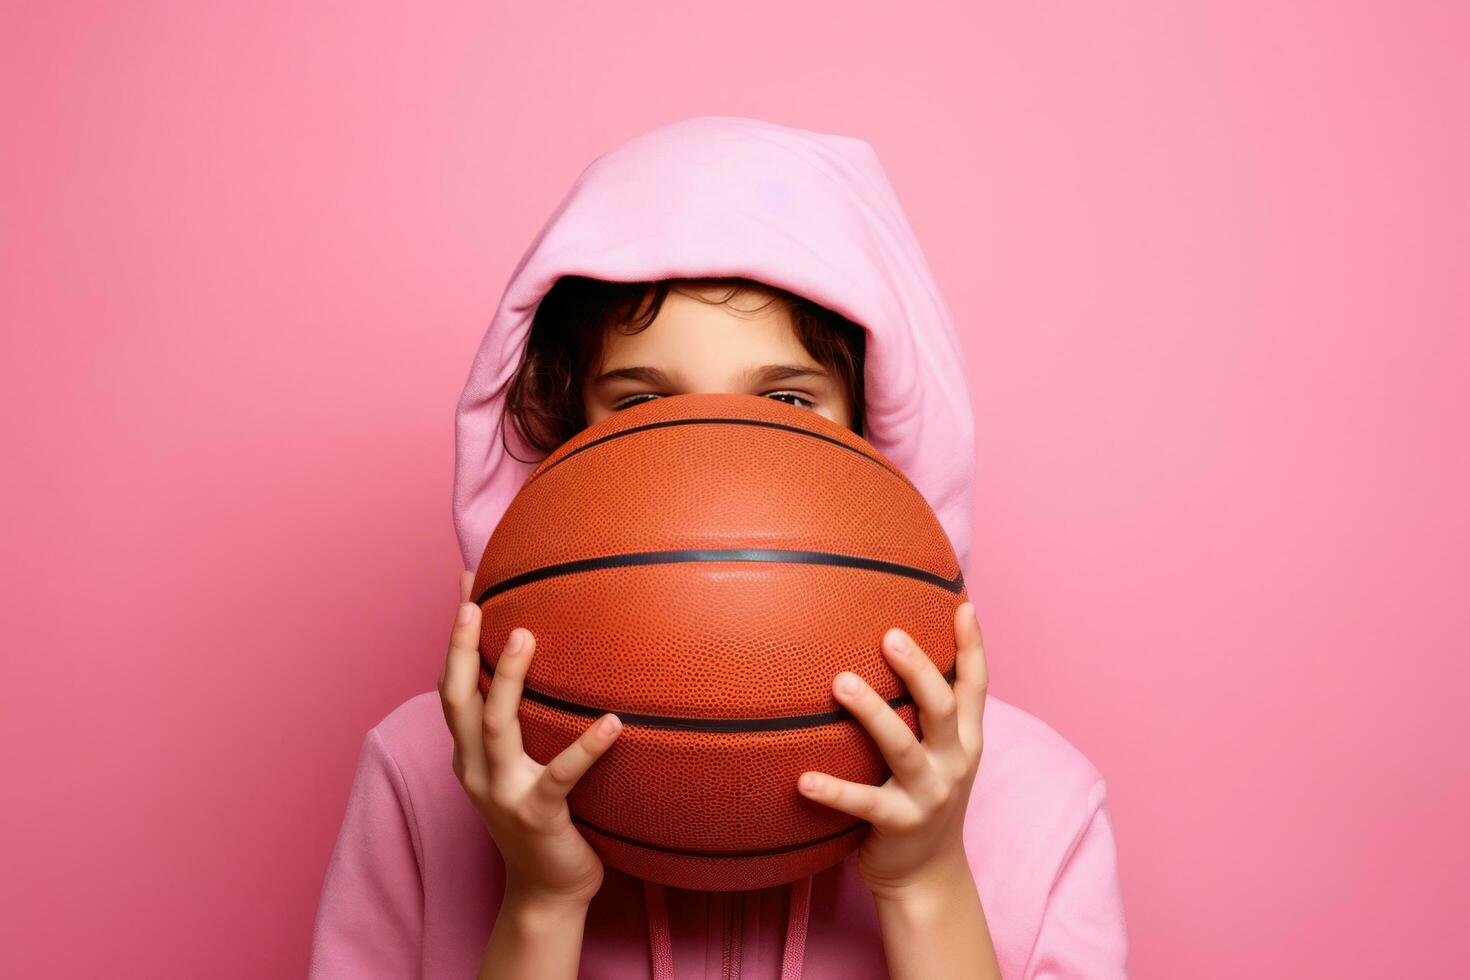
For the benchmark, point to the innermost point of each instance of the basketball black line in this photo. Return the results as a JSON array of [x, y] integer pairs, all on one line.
[[727, 725], [695, 852], [790, 556], [725, 421]]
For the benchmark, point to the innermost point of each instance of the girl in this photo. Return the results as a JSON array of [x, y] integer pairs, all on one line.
[[722, 254]]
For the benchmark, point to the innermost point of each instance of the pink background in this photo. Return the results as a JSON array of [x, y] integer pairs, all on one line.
[[1209, 266]]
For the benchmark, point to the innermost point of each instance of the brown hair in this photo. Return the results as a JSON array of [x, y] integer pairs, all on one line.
[[544, 400]]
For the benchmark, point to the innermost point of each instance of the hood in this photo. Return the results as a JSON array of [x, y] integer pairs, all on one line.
[[810, 212]]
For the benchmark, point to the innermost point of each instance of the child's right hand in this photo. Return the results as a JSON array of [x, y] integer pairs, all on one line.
[[523, 803]]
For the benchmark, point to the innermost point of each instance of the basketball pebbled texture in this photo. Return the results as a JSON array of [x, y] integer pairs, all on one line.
[[704, 565]]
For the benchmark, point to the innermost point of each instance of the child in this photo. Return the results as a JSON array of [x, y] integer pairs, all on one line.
[[691, 258]]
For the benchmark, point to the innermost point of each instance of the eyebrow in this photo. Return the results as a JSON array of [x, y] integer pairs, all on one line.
[[756, 375]]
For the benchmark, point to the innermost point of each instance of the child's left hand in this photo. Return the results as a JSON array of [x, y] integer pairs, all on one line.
[[917, 816]]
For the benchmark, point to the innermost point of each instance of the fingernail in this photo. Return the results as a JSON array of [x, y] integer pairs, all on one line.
[[514, 642], [897, 642], [847, 683], [808, 782], [466, 609], [609, 725]]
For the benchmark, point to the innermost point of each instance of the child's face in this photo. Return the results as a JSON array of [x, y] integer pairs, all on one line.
[[702, 347]]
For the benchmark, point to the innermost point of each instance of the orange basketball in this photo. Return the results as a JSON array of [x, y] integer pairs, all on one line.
[[704, 565]]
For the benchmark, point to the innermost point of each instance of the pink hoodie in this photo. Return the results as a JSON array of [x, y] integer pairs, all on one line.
[[415, 881]]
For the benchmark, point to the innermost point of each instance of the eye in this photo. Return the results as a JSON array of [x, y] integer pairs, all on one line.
[[780, 395], [800, 402], [631, 400]]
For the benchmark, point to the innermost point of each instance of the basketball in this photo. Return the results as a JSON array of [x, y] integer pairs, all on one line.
[[703, 565]]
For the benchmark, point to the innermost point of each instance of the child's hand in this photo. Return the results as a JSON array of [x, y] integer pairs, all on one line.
[[917, 816], [522, 802]]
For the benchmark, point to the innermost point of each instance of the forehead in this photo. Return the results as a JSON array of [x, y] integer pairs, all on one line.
[[751, 322]]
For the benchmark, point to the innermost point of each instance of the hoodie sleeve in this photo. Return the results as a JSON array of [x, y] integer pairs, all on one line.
[[1083, 933], [369, 922]]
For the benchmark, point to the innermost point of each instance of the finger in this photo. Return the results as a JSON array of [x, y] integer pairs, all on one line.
[[932, 693], [459, 694], [907, 758], [466, 583], [502, 722], [861, 800], [972, 677], [569, 765]]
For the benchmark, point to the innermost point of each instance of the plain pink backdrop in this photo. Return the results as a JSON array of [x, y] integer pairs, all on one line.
[[1208, 263]]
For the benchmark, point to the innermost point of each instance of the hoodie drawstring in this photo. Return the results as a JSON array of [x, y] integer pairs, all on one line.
[[660, 946], [793, 950]]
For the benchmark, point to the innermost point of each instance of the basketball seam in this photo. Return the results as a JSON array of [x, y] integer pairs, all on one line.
[[676, 555], [775, 723], [633, 430], [694, 852]]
